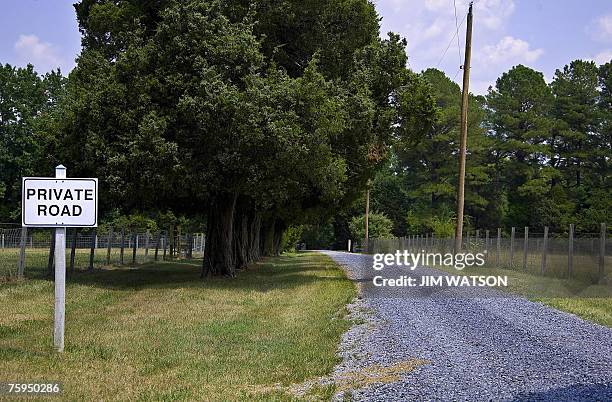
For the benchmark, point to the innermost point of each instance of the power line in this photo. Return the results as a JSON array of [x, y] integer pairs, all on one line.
[[456, 74], [451, 41], [457, 31]]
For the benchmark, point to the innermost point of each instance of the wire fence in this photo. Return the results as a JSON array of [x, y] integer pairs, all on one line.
[[585, 256], [30, 252]]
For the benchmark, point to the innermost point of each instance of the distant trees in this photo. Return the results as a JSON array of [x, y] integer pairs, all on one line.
[[428, 162], [26, 102], [539, 155], [520, 122], [379, 226]]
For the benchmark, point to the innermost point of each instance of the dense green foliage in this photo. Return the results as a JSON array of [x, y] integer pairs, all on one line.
[[26, 102], [539, 155], [256, 117], [379, 226], [259, 116]]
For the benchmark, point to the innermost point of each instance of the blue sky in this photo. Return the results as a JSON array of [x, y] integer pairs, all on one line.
[[542, 34]]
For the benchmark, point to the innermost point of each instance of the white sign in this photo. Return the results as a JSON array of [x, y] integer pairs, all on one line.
[[59, 202]]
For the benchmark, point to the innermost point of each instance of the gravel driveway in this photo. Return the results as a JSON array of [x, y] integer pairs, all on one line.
[[482, 347]]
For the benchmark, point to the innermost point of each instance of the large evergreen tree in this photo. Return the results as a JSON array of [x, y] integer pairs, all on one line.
[[225, 108]]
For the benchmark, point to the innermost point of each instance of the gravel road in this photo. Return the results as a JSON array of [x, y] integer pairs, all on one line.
[[478, 347]]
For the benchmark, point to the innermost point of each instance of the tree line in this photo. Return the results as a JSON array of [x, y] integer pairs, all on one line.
[[257, 116], [261, 118], [538, 155]]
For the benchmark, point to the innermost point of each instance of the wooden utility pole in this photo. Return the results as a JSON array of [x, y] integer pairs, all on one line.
[[464, 124]]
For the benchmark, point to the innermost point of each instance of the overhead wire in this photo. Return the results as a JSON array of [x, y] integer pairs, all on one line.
[[457, 31], [456, 34]]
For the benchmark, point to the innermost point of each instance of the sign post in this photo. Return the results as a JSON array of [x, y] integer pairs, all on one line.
[[59, 202], [60, 278]]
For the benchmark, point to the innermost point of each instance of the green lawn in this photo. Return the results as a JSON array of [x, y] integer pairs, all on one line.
[[157, 332]]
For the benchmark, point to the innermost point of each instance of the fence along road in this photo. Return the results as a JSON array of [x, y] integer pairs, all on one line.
[[29, 250], [586, 256]]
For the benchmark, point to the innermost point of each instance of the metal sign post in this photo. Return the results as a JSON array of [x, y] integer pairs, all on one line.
[[59, 202], [60, 278]]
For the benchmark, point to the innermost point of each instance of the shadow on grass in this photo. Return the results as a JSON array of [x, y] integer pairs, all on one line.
[[270, 274]]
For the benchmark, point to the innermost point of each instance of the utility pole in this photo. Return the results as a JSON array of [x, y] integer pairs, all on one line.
[[464, 124], [367, 217]]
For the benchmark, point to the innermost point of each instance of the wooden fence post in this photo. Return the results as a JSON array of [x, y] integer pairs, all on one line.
[[486, 240], [157, 239], [179, 243], [570, 252], [73, 249], [109, 245], [51, 261], [22, 252], [134, 246], [544, 250], [92, 251], [512, 233], [165, 246], [498, 253], [602, 252], [171, 244], [146, 246], [190, 250], [525, 247], [121, 251]]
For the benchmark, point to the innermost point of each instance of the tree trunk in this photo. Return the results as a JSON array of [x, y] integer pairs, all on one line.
[[267, 237], [279, 230], [219, 251], [241, 238], [254, 252]]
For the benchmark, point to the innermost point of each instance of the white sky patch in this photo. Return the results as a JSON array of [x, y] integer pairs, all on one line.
[[603, 57], [42, 55], [509, 50], [492, 14], [480, 87], [603, 28]]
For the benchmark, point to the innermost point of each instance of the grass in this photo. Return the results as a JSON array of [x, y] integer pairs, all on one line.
[[582, 298], [157, 332]]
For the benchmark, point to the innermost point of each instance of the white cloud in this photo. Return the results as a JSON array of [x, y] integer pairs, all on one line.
[[491, 13], [602, 29], [436, 5], [603, 57], [509, 50], [480, 87], [42, 55], [434, 29], [494, 13]]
